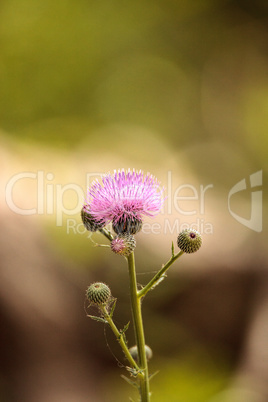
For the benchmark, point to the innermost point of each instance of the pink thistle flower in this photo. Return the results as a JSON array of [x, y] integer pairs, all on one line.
[[124, 198]]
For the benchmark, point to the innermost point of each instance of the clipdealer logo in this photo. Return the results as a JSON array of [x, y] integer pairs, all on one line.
[[255, 220], [185, 200]]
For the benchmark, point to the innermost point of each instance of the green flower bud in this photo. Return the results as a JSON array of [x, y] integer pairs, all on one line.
[[189, 241], [98, 293], [123, 244], [134, 352], [90, 222]]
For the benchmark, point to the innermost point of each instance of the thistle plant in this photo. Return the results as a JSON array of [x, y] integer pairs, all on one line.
[[124, 199]]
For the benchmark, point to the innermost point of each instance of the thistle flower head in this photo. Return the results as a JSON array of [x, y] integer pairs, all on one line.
[[123, 244], [189, 241], [124, 198], [98, 293]]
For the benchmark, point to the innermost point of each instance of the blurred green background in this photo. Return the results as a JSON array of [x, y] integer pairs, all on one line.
[[176, 88]]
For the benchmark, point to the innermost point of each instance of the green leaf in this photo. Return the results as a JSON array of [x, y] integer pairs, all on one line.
[[97, 318], [133, 383], [162, 277], [113, 307], [125, 338], [172, 249], [125, 328], [152, 375]]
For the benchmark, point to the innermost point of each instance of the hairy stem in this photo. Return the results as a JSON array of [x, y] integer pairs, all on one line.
[[120, 338], [157, 277], [139, 331], [106, 233]]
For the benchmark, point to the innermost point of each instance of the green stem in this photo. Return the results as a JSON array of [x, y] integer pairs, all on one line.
[[106, 233], [120, 339], [157, 277], [139, 331]]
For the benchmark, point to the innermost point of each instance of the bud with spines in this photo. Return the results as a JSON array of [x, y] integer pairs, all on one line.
[[90, 223], [189, 241], [98, 293]]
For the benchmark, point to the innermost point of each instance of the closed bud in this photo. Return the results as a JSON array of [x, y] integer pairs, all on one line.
[[189, 241], [98, 293], [89, 221], [134, 352]]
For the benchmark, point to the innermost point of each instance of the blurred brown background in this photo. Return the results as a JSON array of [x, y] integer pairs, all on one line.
[[177, 88]]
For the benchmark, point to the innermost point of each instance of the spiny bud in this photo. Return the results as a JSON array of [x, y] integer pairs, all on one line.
[[123, 244], [90, 222], [98, 293], [134, 352], [127, 224], [189, 241]]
